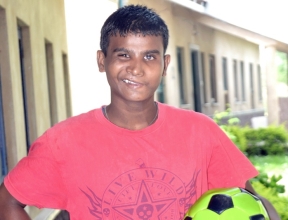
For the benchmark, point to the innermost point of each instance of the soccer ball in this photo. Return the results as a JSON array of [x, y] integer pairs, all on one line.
[[227, 204]]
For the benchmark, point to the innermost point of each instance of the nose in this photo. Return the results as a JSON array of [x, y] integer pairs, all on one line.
[[135, 67]]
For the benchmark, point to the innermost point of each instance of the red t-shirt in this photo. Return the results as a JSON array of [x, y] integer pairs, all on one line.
[[96, 170]]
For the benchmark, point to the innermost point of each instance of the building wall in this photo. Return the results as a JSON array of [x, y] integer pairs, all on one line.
[[84, 21], [40, 26], [37, 22]]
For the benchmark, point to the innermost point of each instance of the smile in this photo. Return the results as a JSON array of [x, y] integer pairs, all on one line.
[[130, 82]]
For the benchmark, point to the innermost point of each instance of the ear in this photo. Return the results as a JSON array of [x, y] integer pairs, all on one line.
[[101, 61], [166, 63]]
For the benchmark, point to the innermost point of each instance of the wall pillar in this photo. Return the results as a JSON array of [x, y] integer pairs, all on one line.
[[270, 69]]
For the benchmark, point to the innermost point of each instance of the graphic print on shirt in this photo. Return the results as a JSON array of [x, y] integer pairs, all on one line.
[[144, 193]]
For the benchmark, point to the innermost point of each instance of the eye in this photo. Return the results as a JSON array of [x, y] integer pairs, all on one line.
[[125, 55], [149, 57]]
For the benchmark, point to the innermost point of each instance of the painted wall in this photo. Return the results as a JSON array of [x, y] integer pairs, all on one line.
[[40, 22], [84, 21]]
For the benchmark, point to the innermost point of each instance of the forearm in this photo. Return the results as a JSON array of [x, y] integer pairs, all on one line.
[[10, 208], [270, 209], [13, 213]]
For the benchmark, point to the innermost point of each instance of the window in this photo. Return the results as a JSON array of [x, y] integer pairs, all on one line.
[[259, 83], [22, 69], [282, 67], [51, 83], [196, 80], [204, 77], [66, 85], [26, 72], [201, 2], [251, 85], [181, 75], [213, 78], [161, 91], [225, 81], [225, 77], [242, 74], [236, 89]]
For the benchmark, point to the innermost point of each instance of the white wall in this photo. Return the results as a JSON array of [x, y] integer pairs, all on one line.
[[84, 19]]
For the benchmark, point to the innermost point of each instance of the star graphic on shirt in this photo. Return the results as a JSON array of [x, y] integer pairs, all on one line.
[[145, 207]]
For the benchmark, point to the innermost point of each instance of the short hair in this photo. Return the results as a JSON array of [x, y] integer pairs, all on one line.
[[133, 19]]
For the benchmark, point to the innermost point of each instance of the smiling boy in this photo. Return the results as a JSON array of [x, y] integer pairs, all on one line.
[[134, 158], [134, 66]]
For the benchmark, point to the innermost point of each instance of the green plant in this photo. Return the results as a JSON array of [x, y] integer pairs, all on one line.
[[231, 128], [271, 182], [267, 141], [263, 141], [239, 138]]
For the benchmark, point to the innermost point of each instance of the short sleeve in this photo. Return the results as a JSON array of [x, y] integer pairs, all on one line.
[[36, 180], [228, 166]]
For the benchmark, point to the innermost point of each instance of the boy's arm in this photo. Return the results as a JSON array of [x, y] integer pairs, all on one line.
[[10, 208], [270, 209]]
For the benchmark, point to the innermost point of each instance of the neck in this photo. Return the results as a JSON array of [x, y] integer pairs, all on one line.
[[134, 116]]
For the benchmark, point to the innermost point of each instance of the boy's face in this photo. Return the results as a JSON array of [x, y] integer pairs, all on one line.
[[134, 66]]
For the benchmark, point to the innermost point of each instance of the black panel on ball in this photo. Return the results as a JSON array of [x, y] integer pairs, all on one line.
[[257, 217], [219, 203]]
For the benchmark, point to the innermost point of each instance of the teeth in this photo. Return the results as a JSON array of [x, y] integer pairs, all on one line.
[[128, 81]]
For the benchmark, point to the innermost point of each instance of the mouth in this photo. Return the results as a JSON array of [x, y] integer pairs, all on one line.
[[127, 81]]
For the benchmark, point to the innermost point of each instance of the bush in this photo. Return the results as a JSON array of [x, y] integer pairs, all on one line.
[[238, 136], [272, 140], [266, 141], [270, 182], [231, 128]]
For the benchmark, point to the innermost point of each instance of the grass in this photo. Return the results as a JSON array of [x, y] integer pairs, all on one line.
[[273, 165], [270, 163]]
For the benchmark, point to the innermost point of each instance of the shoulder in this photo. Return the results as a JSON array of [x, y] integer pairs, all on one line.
[[66, 133], [178, 114], [75, 123]]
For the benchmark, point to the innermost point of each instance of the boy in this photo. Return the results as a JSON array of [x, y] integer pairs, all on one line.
[[134, 158]]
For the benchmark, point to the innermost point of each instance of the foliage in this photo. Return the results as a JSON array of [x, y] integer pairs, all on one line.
[[280, 203], [266, 141], [282, 67], [231, 128], [271, 182], [239, 138], [272, 140]]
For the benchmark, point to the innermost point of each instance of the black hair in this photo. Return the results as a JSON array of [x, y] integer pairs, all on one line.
[[133, 19]]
